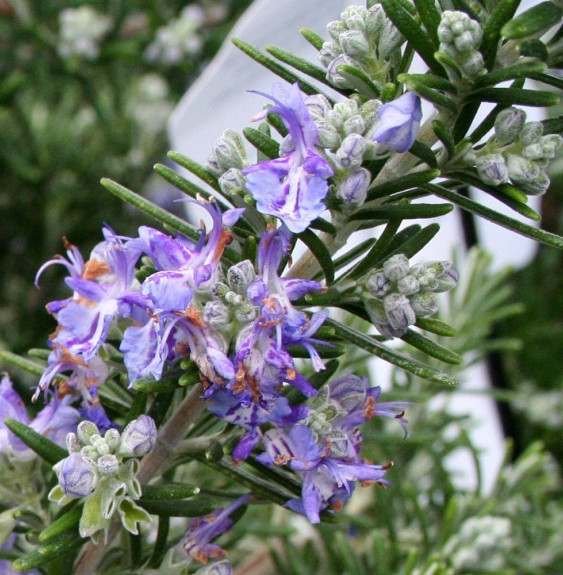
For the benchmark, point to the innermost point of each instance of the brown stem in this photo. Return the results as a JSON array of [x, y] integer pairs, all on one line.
[[168, 438]]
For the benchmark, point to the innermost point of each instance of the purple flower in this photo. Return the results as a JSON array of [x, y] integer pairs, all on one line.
[[294, 186], [399, 121], [77, 477], [201, 530]]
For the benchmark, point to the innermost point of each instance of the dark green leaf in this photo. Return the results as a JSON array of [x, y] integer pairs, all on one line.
[[331, 351], [55, 549], [532, 21], [179, 507], [520, 70], [312, 37], [196, 169], [148, 385], [437, 98], [429, 80], [262, 142], [533, 48], [500, 219], [169, 491], [513, 96], [431, 348], [554, 81], [401, 183], [415, 243], [412, 31], [44, 447], [63, 523], [360, 80], [22, 363], [323, 226], [423, 152], [445, 136], [435, 326], [403, 212], [551, 126], [430, 17], [501, 14], [371, 345], [300, 64], [321, 253]]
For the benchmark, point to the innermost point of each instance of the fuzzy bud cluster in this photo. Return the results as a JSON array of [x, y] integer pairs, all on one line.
[[460, 38], [227, 155], [364, 39], [518, 153], [81, 32], [103, 470], [398, 293]]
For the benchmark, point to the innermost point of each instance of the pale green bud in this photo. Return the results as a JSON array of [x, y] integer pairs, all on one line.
[[318, 106], [354, 125], [216, 314], [329, 52], [396, 267], [335, 28], [473, 65], [101, 446], [375, 21], [508, 124], [232, 181], [533, 151], [229, 151], [334, 75], [447, 275], [72, 443], [550, 145], [112, 438], [537, 186], [107, 464], [245, 312], [346, 109], [240, 276], [329, 138], [85, 431], [351, 152], [375, 309], [354, 17], [369, 112]]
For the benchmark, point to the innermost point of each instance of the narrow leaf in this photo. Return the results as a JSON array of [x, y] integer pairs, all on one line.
[[513, 96], [436, 326], [431, 348], [407, 212], [361, 81], [22, 363], [430, 17], [401, 183], [169, 491], [323, 226], [298, 63], [196, 169], [541, 236], [532, 21], [312, 37], [50, 551], [371, 345], [548, 79], [437, 98], [414, 244], [262, 142], [412, 31], [445, 136], [533, 48], [179, 508], [331, 351], [44, 447], [423, 152], [501, 14], [63, 523], [553, 125], [321, 253], [147, 385], [521, 70]]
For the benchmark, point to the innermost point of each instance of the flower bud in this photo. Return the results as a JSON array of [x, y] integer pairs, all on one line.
[[85, 431], [100, 446], [533, 151], [328, 53], [240, 276], [492, 169], [232, 181], [537, 186], [530, 133], [139, 437], [520, 169], [473, 65], [354, 17], [375, 309], [396, 267], [354, 43], [340, 444], [408, 285], [229, 151], [447, 276], [550, 145], [245, 312], [112, 438], [351, 151], [399, 312], [378, 284], [375, 21], [216, 314], [329, 138], [353, 189], [424, 304], [354, 125], [335, 28], [334, 75], [508, 124], [76, 476], [72, 444], [108, 464], [399, 121], [318, 106]]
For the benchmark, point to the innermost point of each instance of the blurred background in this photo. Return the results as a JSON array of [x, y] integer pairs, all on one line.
[[86, 90]]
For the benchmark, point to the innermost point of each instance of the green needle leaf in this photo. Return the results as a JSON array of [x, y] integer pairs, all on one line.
[[436, 326], [513, 96], [424, 91], [44, 447], [320, 251], [521, 70], [401, 183], [541, 236], [407, 212], [501, 14], [430, 17], [312, 37], [262, 142], [63, 523], [532, 21], [300, 64], [195, 168], [179, 508], [55, 549], [371, 345], [169, 491], [431, 348]]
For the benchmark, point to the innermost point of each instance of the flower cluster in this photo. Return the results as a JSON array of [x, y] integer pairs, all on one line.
[[460, 38], [517, 153], [103, 470], [396, 294], [364, 39], [82, 31]]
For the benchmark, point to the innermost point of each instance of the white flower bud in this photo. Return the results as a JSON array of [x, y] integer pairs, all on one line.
[[378, 284], [351, 152], [72, 443], [396, 267], [112, 438], [354, 43], [318, 106], [424, 304], [447, 276], [232, 181], [537, 186], [375, 21], [346, 109], [85, 431], [354, 17], [533, 151], [408, 285], [240, 276], [329, 138], [550, 145], [353, 190], [335, 28], [229, 151], [473, 65], [399, 312], [139, 437], [329, 52], [508, 124], [530, 133], [492, 169], [334, 75], [245, 313], [375, 309], [216, 314], [520, 169], [354, 125], [107, 464]]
